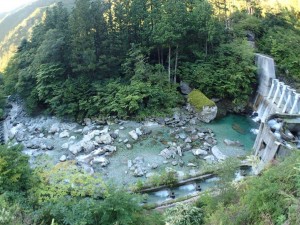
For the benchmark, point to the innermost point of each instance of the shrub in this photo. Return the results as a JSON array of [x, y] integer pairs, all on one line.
[[15, 174], [184, 214]]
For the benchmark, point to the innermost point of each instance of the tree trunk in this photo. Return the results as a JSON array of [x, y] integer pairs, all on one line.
[[176, 64], [158, 55], [162, 56], [169, 62]]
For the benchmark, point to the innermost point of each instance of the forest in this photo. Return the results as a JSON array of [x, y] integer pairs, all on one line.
[[125, 59]]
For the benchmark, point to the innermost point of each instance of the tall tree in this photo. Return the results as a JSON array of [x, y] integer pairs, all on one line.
[[83, 55]]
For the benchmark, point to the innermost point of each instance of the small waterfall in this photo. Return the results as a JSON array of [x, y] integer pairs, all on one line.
[[162, 193], [261, 109], [268, 88], [2, 132], [188, 187], [266, 72]]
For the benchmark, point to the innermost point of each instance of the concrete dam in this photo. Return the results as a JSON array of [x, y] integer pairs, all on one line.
[[278, 109], [273, 96]]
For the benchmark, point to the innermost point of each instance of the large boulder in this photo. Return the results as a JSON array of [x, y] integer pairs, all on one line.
[[100, 160], [75, 148], [168, 153], [87, 146], [205, 109], [138, 172], [185, 88], [104, 139], [218, 154]]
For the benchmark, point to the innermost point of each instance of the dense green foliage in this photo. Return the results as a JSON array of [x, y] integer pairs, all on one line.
[[272, 198], [125, 58], [14, 170], [63, 194]]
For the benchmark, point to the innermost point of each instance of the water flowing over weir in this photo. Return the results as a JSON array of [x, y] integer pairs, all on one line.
[[273, 96]]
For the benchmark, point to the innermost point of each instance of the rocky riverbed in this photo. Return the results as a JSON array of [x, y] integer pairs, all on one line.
[[120, 150]]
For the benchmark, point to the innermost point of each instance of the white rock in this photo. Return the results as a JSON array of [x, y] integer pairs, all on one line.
[[63, 158], [105, 130], [199, 151], [104, 139], [138, 172], [167, 153], [91, 135], [110, 148], [133, 135], [87, 146], [188, 140], [84, 158], [43, 146], [179, 151], [64, 134], [129, 164], [150, 174], [191, 165], [54, 128], [87, 121], [138, 131], [218, 154], [210, 159], [101, 160], [99, 151], [75, 148], [13, 131], [65, 146]]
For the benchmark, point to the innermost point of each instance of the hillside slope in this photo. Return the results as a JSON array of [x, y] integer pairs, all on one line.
[[18, 24]]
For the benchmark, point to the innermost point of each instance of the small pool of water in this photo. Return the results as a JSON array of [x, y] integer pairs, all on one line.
[[235, 128]]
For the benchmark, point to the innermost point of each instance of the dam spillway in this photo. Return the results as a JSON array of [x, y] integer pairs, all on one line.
[[273, 96], [274, 99]]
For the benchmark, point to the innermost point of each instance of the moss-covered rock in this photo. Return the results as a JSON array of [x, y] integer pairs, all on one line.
[[198, 100], [205, 109]]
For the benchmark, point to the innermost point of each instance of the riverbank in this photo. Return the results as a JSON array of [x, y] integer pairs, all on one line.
[[127, 152]]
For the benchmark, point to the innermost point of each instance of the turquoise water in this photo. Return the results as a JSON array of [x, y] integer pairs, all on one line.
[[223, 129], [150, 146]]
